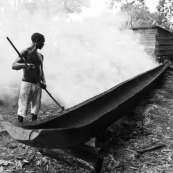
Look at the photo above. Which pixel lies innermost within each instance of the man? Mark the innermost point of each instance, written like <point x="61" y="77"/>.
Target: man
<point x="31" y="90"/>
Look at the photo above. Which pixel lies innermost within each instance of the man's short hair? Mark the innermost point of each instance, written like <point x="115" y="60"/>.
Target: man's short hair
<point x="37" y="37"/>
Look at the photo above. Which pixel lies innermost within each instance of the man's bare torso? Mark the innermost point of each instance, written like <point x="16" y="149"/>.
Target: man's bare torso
<point x="32" y="57"/>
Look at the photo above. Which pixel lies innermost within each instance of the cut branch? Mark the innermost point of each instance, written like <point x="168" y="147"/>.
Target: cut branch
<point x="152" y="148"/>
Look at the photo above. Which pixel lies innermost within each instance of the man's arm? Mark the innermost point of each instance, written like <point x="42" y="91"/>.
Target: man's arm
<point x="43" y="76"/>
<point x="18" y="64"/>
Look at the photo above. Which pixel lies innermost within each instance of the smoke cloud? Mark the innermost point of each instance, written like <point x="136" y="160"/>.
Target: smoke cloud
<point x="82" y="58"/>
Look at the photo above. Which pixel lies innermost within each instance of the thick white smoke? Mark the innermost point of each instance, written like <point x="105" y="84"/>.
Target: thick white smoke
<point x="81" y="58"/>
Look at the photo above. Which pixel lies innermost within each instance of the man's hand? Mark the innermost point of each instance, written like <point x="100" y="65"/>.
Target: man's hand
<point x="43" y="85"/>
<point x="30" y="66"/>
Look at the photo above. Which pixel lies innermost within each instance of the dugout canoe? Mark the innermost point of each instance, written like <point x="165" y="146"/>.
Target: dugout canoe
<point x="83" y="121"/>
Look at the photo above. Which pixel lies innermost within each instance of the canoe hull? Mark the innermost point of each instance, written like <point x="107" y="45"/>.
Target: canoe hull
<point x="90" y="118"/>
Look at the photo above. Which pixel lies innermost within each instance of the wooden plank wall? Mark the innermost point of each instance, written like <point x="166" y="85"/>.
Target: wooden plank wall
<point x="158" y="42"/>
<point x="148" y="39"/>
<point x="164" y="45"/>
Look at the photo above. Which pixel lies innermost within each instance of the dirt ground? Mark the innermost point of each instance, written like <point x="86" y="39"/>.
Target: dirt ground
<point x="141" y="142"/>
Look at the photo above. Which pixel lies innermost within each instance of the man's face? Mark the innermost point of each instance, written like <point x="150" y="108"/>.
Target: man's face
<point x="40" y="44"/>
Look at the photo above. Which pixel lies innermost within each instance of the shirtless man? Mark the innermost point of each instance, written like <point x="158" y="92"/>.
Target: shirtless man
<point x="31" y="91"/>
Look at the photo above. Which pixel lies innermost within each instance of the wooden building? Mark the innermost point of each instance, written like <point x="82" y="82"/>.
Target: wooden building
<point x="158" y="42"/>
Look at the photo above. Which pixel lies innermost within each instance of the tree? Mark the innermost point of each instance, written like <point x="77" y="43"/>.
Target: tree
<point x="54" y="7"/>
<point x="138" y="13"/>
<point x="165" y="8"/>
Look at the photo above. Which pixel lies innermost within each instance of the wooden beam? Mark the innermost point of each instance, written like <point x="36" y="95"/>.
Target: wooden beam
<point x="83" y="156"/>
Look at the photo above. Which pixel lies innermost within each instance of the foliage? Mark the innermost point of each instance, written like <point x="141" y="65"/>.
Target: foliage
<point x="47" y="7"/>
<point x="140" y="16"/>
<point x="165" y="8"/>
<point x="53" y="7"/>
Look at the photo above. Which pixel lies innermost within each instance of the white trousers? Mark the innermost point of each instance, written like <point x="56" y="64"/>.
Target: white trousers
<point x="29" y="94"/>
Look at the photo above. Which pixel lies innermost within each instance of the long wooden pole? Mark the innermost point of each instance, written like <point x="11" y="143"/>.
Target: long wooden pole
<point x="33" y="73"/>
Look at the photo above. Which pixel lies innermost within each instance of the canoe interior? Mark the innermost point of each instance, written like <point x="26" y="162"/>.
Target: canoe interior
<point x="95" y="108"/>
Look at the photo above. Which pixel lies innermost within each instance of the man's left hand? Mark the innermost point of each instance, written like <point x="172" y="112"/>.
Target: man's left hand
<point x="43" y="85"/>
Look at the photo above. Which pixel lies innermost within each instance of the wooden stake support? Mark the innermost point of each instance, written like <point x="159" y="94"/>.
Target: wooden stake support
<point x="84" y="156"/>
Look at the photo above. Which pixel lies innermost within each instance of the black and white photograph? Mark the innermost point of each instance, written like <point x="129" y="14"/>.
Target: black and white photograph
<point x="86" y="86"/>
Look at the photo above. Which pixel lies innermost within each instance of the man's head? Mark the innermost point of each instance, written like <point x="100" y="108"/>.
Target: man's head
<point x="38" y="39"/>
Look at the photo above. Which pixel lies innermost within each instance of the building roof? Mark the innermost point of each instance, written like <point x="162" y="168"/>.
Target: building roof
<point x="152" y="27"/>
